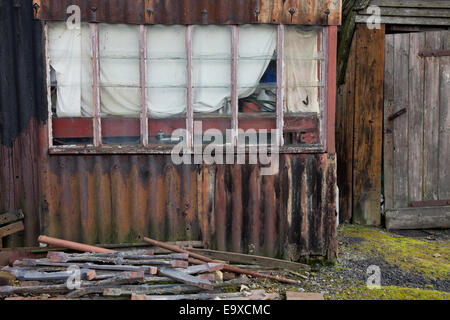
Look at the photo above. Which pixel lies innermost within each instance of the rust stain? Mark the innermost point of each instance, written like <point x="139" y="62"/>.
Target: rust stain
<point x="113" y="199"/>
<point x="299" y="12"/>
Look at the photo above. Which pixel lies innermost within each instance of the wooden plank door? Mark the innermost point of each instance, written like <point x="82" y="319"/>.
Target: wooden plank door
<point x="417" y="130"/>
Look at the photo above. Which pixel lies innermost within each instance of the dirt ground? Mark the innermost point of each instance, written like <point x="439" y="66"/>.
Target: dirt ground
<point x="412" y="265"/>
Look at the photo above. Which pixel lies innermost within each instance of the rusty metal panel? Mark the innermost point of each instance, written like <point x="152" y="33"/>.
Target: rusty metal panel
<point x="121" y="198"/>
<point x="300" y="12"/>
<point x="109" y="11"/>
<point x="22" y="111"/>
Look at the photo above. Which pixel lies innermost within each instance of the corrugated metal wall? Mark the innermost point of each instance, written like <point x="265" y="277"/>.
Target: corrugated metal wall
<point x="22" y="110"/>
<point x="311" y="12"/>
<point x="120" y="198"/>
<point x="110" y="199"/>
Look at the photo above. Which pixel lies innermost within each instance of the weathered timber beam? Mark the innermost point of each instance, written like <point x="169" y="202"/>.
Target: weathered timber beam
<point x="47" y="263"/>
<point x="11" y="229"/>
<point x="116" y="259"/>
<point x="227" y="267"/>
<point x="197" y="296"/>
<point x="98" y="287"/>
<point x="167" y="288"/>
<point x="203" y="268"/>
<point x="31" y="275"/>
<point x="250" y="259"/>
<point x="150" y="290"/>
<point x="11" y="216"/>
<point x="418" y="218"/>
<point x="185" y="278"/>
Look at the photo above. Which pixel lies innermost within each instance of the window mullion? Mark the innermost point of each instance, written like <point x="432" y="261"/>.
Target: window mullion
<point x="280" y="85"/>
<point x="234" y="83"/>
<point x="143" y="83"/>
<point x="190" y="102"/>
<point x="49" y="87"/>
<point x="95" y="48"/>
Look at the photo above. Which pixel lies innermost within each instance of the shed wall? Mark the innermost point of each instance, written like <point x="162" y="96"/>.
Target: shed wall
<point x="121" y="198"/>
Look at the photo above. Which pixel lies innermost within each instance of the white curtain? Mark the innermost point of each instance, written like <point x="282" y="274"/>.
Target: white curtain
<point x="70" y="57"/>
<point x="302" y="72"/>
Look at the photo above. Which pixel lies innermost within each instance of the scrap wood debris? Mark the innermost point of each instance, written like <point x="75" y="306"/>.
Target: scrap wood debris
<point x="162" y="272"/>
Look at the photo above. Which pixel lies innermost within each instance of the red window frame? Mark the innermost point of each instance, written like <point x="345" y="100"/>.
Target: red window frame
<point x="92" y="127"/>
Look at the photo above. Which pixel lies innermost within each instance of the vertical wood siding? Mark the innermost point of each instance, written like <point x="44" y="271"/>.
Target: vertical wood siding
<point x="417" y="143"/>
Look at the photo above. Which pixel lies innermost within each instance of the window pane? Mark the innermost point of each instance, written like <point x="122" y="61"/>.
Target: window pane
<point x="166" y="83"/>
<point x="211" y="80"/>
<point x="71" y="84"/>
<point x="303" y="63"/>
<point x="257" y="82"/>
<point x="257" y="75"/>
<point x="119" y="84"/>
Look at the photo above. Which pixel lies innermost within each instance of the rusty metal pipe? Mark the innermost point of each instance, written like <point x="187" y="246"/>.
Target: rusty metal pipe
<point x="73" y="245"/>
<point x="227" y="267"/>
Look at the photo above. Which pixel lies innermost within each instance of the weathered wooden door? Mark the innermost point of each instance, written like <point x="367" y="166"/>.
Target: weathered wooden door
<point x="417" y="130"/>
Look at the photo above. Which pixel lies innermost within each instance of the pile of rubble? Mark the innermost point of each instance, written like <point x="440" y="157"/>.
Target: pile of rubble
<point x="160" y="272"/>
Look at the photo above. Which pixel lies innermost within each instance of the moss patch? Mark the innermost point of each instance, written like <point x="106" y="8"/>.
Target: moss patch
<point x="413" y="255"/>
<point x="390" y="293"/>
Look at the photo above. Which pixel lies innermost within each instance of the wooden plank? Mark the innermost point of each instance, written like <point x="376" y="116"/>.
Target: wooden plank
<point x="11" y="229"/>
<point x="280" y="85"/>
<point x="406" y="20"/>
<point x="293" y="295"/>
<point x="42" y="289"/>
<point x="48" y="86"/>
<point x="418" y="218"/>
<point x="185" y="278"/>
<point x="430" y="203"/>
<point x="11" y="216"/>
<point x="143" y="84"/>
<point x="411" y="3"/>
<point x="47" y="263"/>
<point x="128" y="290"/>
<point x="96" y="103"/>
<point x="368" y="125"/>
<point x="409" y="12"/>
<point x="400" y="132"/>
<point x="150" y="290"/>
<point x="246" y="295"/>
<point x="257" y="295"/>
<point x="189" y="90"/>
<point x="65" y="257"/>
<point x="431" y="119"/>
<point x="203" y="268"/>
<point x="31" y="275"/>
<point x="119" y="260"/>
<point x="444" y="120"/>
<point x="415" y="117"/>
<point x="388" y="147"/>
<point x="250" y="259"/>
<point x="234" y="84"/>
<point x="331" y="65"/>
<point x="345" y="110"/>
<point x="198" y="296"/>
<point x="125" y="278"/>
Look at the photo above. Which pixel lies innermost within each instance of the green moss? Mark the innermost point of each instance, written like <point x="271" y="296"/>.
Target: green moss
<point x="412" y="255"/>
<point x="390" y="293"/>
<point x="230" y="289"/>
